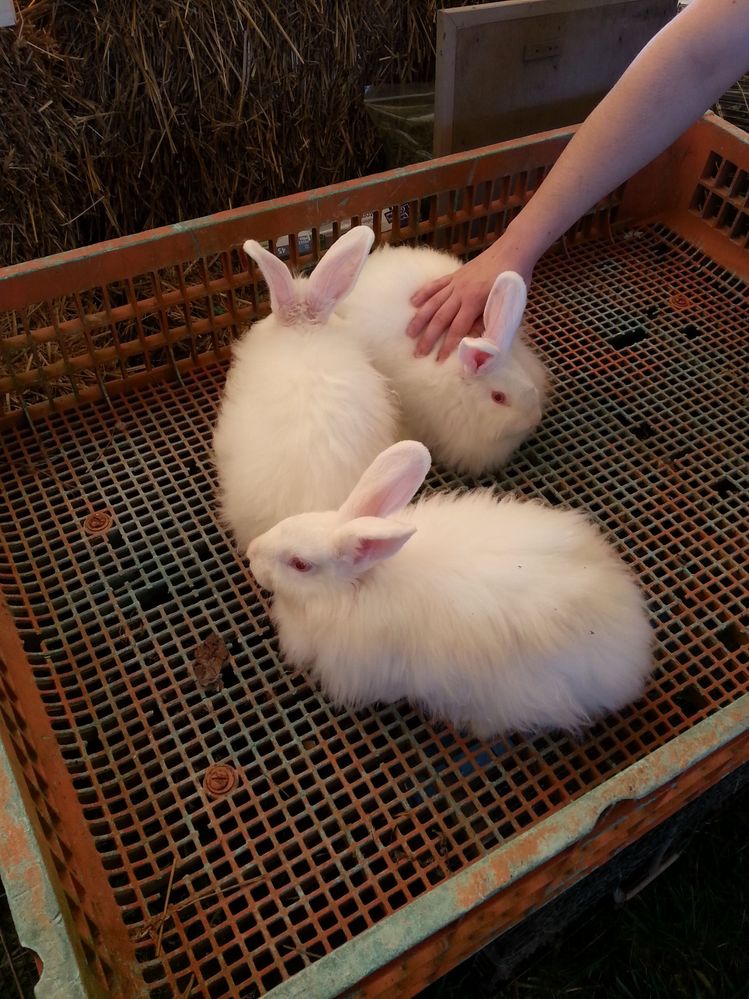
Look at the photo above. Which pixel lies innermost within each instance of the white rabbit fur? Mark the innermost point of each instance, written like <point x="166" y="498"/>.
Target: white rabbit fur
<point x="450" y="405"/>
<point x="496" y="615"/>
<point x="304" y="411"/>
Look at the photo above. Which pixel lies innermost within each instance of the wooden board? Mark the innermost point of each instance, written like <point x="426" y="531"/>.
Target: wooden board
<point x="523" y="66"/>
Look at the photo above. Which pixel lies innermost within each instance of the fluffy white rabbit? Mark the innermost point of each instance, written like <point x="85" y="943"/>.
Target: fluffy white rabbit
<point x="475" y="408"/>
<point x="494" y="614"/>
<point x="304" y="410"/>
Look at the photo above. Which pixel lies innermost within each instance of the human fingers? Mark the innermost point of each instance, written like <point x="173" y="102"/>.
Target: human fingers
<point x="426" y="312"/>
<point x="426" y="292"/>
<point x="439" y="323"/>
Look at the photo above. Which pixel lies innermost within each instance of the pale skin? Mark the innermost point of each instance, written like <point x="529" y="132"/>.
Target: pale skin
<point x="684" y="69"/>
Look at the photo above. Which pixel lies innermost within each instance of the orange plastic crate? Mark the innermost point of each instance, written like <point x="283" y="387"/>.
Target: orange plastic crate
<point x="251" y="840"/>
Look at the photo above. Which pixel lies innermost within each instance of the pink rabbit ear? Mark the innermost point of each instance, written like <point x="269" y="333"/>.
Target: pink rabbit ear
<point x="478" y="355"/>
<point x="363" y="542"/>
<point x="504" y="310"/>
<point x="390" y="482"/>
<point x="337" y="273"/>
<point x="277" y="277"/>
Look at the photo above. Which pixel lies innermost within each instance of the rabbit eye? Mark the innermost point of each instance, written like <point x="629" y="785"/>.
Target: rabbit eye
<point x="500" y="398"/>
<point x="299" y="564"/>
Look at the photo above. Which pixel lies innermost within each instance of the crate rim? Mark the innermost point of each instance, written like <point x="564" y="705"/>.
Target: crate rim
<point x="126" y="256"/>
<point x="78" y="270"/>
<point x="339" y="972"/>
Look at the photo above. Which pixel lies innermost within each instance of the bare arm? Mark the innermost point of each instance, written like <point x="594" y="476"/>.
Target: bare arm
<point x="685" y="68"/>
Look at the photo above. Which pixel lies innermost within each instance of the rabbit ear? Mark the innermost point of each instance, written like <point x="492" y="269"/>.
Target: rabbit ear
<point x="478" y="355"/>
<point x="363" y="542"/>
<point x="338" y="271"/>
<point x="504" y="310"/>
<point x="390" y="482"/>
<point x="277" y="277"/>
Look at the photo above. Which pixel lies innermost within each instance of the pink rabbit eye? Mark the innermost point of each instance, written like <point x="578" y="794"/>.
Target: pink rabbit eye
<point x="299" y="564"/>
<point x="500" y="398"/>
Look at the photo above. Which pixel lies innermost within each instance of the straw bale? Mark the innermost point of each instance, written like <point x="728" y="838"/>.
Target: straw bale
<point x="118" y="116"/>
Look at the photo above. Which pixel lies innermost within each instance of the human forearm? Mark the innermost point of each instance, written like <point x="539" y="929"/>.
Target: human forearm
<point x="676" y="77"/>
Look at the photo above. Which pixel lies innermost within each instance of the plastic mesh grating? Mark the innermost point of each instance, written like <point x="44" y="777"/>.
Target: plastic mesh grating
<point x="336" y="820"/>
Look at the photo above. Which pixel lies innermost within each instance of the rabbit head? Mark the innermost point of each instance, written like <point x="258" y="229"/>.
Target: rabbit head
<point x="316" y="553"/>
<point x="311" y="301"/>
<point x="503" y="388"/>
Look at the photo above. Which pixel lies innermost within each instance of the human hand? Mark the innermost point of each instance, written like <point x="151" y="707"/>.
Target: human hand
<point x="452" y="307"/>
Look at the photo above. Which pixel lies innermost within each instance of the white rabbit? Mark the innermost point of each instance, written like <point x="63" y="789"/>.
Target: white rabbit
<point x="475" y="408"/>
<point x="304" y="411"/>
<point x="496" y="615"/>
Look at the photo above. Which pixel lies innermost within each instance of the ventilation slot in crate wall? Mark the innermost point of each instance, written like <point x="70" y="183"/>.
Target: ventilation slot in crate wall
<point x="721" y="198"/>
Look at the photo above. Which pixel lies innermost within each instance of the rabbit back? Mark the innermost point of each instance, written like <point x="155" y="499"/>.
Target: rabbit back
<point x="303" y="414"/>
<point x="495" y="616"/>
